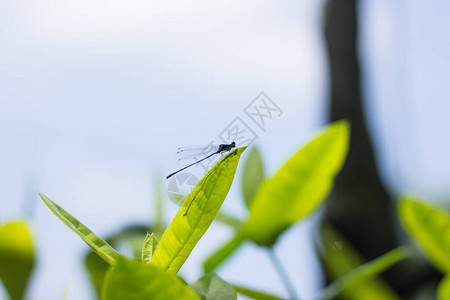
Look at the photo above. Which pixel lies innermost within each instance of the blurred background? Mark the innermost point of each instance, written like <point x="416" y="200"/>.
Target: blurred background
<point x="95" y="98"/>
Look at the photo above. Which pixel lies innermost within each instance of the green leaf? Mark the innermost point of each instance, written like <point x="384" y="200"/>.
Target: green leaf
<point x="212" y="287"/>
<point x="133" y="280"/>
<point x="16" y="258"/>
<point x="129" y="237"/>
<point x="218" y="257"/>
<point x="150" y="244"/>
<point x="229" y="220"/>
<point x="299" y="187"/>
<point x="444" y="288"/>
<point x="357" y="277"/>
<point x="255" y="294"/>
<point x="253" y="176"/>
<point x="196" y="214"/>
<point x="97" y="269"/>
<point x="66" y="292"/>
<point x="355" y="280"/>
<point x="159" y="221"/>
<point x="430" y="228"/>
<point x="102" y="248"/>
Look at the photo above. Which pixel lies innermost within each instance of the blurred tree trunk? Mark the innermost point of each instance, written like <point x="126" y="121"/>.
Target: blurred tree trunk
<point x="359" y="207"/>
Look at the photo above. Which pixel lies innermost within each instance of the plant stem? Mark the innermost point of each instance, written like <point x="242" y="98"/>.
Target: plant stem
<point x="282" y="273"/>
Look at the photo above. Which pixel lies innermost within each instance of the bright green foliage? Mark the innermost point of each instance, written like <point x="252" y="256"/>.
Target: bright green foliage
<point x="212" y="287"/>
<point x="444" y="288"/>
<point x="102" y="248"/>
<point x="223" y="253"/>
<point x="255" y="294"/>
<point x="299" y="187"/>
<point x="133" y="280"/>
<point x="430" y="228"/>
<point x="354" y="281"/>
<point x="196" y="214"/>
<point x="16" y="258"/>
<point x="150" y="244"/>
<point x="131" y="237"/>
<point x="253" y="176"/>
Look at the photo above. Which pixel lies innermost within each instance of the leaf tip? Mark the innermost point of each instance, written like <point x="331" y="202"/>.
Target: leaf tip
<point x="241" y="149"/>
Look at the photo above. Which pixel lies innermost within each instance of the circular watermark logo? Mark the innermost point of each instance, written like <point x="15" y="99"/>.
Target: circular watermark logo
<point x="180" y="186"/>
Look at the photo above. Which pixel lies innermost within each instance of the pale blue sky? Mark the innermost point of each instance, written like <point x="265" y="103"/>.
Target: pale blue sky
<point x="95" y="97"/>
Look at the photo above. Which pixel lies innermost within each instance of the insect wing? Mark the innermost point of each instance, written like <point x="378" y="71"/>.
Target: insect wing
<point x="188" y="154"/>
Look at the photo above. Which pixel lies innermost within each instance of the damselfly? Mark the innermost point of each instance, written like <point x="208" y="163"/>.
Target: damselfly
<point x="212" y="150"/>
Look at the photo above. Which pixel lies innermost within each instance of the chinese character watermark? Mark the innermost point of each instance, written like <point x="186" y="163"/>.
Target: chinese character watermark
<point x="237" y="131"/>
<point x="262" y="109"/>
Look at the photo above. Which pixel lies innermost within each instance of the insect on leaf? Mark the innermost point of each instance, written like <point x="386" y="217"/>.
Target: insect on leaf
<point x="196" y="214"/>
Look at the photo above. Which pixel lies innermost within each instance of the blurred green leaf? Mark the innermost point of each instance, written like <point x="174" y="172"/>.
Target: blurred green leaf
<point x="430" y="228"/>
<point x="299" y="187"/>
<point x="102" y="248"/>
<point x="16" y="258"/>
<point x="212" y="287"/>
<point x="253" y="176"/>
<point x="354" y="280"/>
<point x="444" y="288"/>
<point x="229" y="220"/>
<point x="97" y="269"/>
<point x="213" y="261"/>
<point x="150" y="244"/>
<point x="66" y="292"/>
<point x="196" y="214"/>
<point x="255" y="294"/>
<point x="130" y="237"/>
<point x="159" y="222"/>
<point x="133" y="280"/>
<point x="357" y="277"/>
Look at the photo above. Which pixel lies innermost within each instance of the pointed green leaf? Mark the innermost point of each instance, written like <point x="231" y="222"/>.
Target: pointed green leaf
<point x="430" y="228"/>
<point x="212" y="287"/>
<point x="133" y="280"/>
<point x="102" y="248"/>
<point x="253" y="176"/>
<point x="196" y="214"/>
<point x="444" y="288"/>
<point x="16" y="258"/>
<point x="253" y="294"/>
<point x="340" y="259"/>
<point x="222" y="254"/>
<point x="150" y="244"/>
<point x="299" y="187"/>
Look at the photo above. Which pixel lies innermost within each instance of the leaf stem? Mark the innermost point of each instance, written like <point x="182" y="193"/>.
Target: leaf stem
<point x="282" y="273"/>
